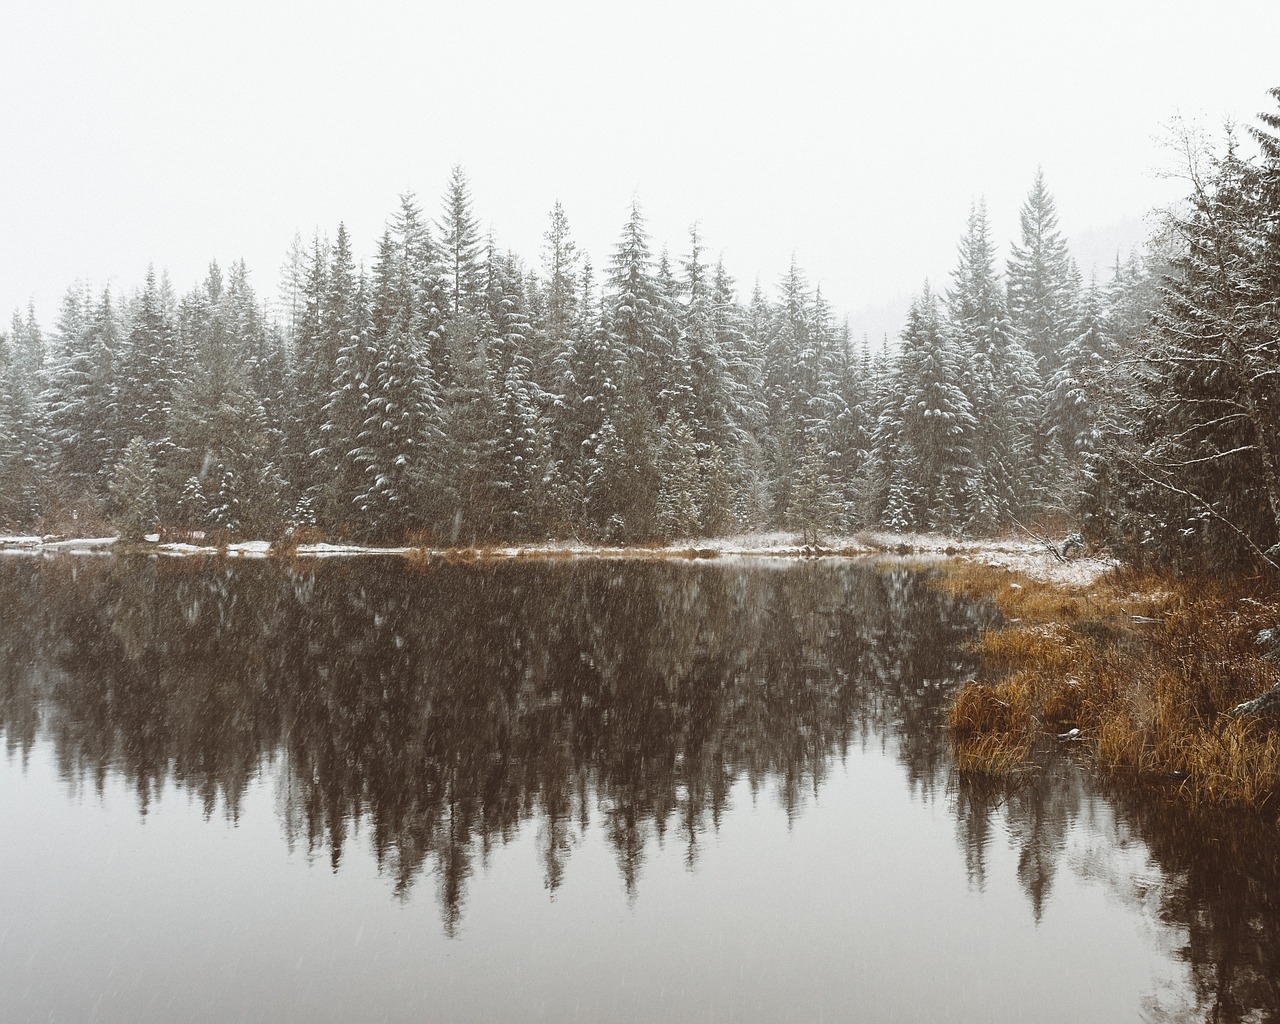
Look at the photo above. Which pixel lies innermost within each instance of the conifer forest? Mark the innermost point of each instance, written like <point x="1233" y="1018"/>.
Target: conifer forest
<point x="454" y="393"/>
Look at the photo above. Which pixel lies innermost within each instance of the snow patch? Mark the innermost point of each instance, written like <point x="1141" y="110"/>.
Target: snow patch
<point x="331" y="550"/>
<point x="185" y="549"/>
<point x="250" y="549"/>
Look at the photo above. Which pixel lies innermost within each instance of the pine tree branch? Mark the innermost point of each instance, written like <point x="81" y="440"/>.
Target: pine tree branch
<point x="1208" y="507"/>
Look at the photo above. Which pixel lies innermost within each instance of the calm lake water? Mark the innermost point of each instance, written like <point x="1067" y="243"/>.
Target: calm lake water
<point x="567" y="791"/>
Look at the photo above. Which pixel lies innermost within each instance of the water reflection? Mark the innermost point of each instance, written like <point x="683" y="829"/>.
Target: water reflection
<point x="442" y="708"/>
<point x="1210" y="878"/>
<point x="439" y="710"/>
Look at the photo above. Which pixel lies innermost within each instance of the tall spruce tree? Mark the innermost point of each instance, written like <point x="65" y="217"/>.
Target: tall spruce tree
<point x="933" y="474"/>
<point x="1042" y="281"/>
<point x="21" y="425"/>
<point x="1001" y="382"/>
<point x="460" y="246"/>
<point x="1208" y="432"/>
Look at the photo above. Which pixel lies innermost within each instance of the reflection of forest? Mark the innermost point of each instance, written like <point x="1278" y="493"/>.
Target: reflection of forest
<point x="1212" y="878"/>
<point x="443" y="706"/>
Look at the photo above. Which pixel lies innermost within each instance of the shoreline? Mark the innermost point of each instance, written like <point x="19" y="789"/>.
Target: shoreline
<point x="1142" y="674"/>
<point x="1150" y="678"/>
<point x="1028" y="557"/>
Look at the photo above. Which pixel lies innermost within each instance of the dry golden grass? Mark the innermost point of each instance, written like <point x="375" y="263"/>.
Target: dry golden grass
<point x="1148" y="669"/>
<point x="991" y="756"/>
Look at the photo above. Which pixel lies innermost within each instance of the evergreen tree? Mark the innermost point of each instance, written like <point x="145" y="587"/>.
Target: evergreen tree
<point x="313" y="373"/>
<point x="678" y="511"/>
<point x="561" y="264"/>
<point x="134" y="490"/>
<point x="1001" y="383"/>
<point x="1074" y="389"/>
<point x="346" y="414"/>
<point x="934" y="474"/>
<point x="711" y="402"/>
<point x="471" y="414"/>
<point x="418" y="289"/>
<point x="814" y="507"/>
<point x="460" y="245"/>
<point x="1042" y="282"/>
<point x="850" y="427"/>
<point x="521" y="432"/>
<point x="293" y="284"/>
<point x="147" y="366"/>
<point x="79" y="395"/>
<point x="1208" y="426"/>
<point x="21" y="434"/>
<point x="400" y="443"/>
<point x="636" y="314"/>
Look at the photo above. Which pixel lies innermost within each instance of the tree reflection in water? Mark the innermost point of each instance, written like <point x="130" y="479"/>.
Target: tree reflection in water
<point x="441" y="708"/>
<point x="1211" y="877"/>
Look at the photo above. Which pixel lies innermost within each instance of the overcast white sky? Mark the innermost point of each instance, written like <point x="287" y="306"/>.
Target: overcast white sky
<point x="854" y="135"/>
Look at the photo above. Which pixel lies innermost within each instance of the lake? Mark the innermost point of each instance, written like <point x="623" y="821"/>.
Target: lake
<point x="569" y="790"/>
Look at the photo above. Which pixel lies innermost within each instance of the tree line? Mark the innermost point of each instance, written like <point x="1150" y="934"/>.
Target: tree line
<point x="450" y="393"/>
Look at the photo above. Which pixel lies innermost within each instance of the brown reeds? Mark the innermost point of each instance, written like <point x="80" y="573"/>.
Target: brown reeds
<point x="1141" y="671"/>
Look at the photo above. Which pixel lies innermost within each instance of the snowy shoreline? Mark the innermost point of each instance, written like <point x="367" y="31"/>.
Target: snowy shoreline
<point x="1029" y="557"/>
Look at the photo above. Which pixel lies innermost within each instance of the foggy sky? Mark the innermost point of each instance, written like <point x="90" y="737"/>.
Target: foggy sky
<point x="854" y="135"/>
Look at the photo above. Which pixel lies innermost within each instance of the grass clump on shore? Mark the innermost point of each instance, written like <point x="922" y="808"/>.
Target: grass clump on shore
<point x="1141" y="670"/>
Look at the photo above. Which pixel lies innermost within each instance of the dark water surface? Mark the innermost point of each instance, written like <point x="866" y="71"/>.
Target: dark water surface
<point x="567" y="791"/>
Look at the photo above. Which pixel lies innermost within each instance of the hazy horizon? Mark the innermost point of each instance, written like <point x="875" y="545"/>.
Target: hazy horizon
<point x="853" y="139"/>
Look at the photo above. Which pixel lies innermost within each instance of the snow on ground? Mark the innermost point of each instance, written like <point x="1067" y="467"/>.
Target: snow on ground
<point x="78" y="545"/>
<point x="1018" y="554"/>
<point x="250" y="549"/>
<point x="331" y="550"/>
<point x="185" y="549"/>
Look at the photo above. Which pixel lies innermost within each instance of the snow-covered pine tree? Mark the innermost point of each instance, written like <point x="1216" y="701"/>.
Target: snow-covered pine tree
<point x="1042" y="281"/>
<point x="849" y="438"/>
<point x="815" y="507"/>
<point x="460" y="246"/>
<point x="312" y="377"/>
<point x="522" y="441"/>
<point x="636" y="314"/>
<point x="789" y="383"/>
<point x="146" y="371"/>
<point x="561" y="268"/>
<point x="470" y="422"/>
<point x="219" y="431"/>
<point x="133" y="488"/>
<point x="582" y="382"/>
<point x="1210" y="429"/>
<point x="399" y="447"/>
<point x="290" y="301"/>
<point x="717" y="499"/>
<point x="709" y="404"/>
<point x="1074" y="391"/>
<point x="678" y="510"/>
<point x="346" y="414"/>
<point x="79" y="396"/>
<point x="21" y="427"/>
<point x="933" y="478"/>
<point x="419" y="291"/>
<point x="635" y="377"/>
<point x="740" y="346"/>
<point x="676" y="391"/>
<point x="1001" y="382"/>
